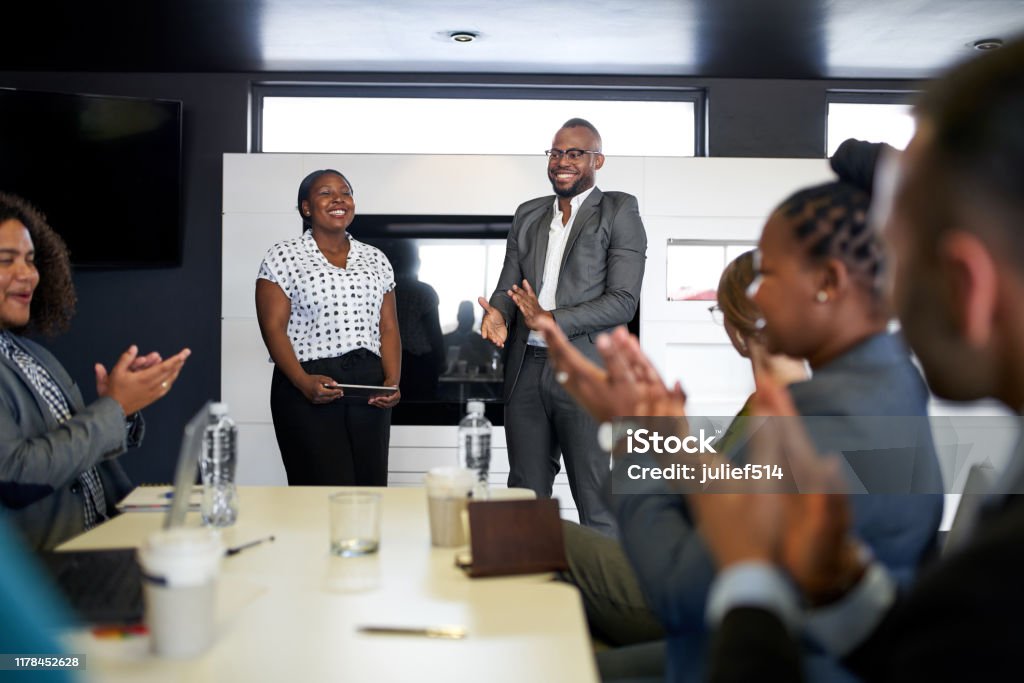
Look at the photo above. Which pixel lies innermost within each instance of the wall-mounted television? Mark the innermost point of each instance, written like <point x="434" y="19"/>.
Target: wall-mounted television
<point x="106" y="171"/>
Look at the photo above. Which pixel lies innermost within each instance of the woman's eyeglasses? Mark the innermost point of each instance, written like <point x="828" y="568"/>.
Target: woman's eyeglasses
<point x="755" y="284"/>
<point x="716" y="314"/>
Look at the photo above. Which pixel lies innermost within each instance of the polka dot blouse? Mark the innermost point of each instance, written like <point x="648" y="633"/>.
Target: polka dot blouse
<point x="334" y="310"/>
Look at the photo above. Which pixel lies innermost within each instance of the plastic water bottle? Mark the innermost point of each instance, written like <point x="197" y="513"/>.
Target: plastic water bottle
<point x="217" y="465"/>
<point x="475" y="445"/>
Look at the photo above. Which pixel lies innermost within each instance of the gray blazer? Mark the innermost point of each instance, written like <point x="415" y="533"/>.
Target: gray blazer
<point x="599" y="280"/>
<point x="40" y="460"/>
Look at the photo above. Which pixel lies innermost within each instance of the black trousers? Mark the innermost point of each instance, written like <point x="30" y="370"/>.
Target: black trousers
<point x="341" y="443"/>
<point x="543" y="421"/>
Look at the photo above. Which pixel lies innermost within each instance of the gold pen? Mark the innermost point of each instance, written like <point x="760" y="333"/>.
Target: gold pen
<point x="448" y="632"/>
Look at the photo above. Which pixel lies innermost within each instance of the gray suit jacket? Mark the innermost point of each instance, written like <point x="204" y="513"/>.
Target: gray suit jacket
<point x="40" y="460"/>
<point x="598" y="283"/>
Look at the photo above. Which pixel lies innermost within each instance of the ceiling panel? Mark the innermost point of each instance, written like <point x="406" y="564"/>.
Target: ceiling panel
<point x="703" y="38"/>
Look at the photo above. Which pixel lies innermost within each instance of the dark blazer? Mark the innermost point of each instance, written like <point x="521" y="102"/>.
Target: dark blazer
<point x="40" y="460"/>
<point x="959" y="622"/>
<point x="598" y="283"/>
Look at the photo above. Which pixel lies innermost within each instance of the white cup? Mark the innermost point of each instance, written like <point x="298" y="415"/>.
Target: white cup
<point x="179" y="576"/>
<point x="448" y="490"/>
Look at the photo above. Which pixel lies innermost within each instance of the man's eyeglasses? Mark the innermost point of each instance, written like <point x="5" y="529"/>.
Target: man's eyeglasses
<point x="572" y="153"/>
<point x="716" y="314"/>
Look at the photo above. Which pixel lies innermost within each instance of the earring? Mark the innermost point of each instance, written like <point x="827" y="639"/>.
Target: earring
<point x="307" y="213"/>
<point x="821" y="297"/>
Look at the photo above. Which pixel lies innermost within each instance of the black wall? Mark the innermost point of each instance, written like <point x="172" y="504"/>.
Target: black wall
<point x="159" y="309"/>
<point x="167" y="309"/>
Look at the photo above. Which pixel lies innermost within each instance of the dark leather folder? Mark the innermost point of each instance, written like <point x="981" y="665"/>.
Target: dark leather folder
<point x="515" y="537"/>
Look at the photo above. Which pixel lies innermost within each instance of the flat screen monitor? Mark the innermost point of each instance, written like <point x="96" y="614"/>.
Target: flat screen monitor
<point x="106" y="171"/>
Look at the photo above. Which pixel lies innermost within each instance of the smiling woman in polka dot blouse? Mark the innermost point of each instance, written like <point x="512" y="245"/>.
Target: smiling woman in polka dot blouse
<point x="326" y="307"/>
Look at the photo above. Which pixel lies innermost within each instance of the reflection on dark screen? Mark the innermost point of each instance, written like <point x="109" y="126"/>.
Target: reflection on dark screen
<point x="442" y="264"/>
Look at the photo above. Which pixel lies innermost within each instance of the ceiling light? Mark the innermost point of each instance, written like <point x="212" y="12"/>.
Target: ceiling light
<point x="463" y="36"/>
<point x="986" y="44"/>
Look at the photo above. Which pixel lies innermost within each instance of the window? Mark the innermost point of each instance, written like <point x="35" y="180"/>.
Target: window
<point x="876" y="118"/>
<point x="300" y="120"/>
<point x="694" y="267"/>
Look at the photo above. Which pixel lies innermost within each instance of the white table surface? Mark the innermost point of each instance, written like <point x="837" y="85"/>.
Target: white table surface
<point x="288" y="610"/>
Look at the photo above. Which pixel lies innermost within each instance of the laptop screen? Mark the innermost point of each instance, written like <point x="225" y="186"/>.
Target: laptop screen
<point x="188" y="462"/>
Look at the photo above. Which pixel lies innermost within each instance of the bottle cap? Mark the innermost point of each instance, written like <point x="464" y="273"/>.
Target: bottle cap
<point x="218" y="409"/>
<point x="475" y="407"/>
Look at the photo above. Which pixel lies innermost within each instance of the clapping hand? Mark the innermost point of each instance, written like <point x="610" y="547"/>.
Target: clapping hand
<point x="138" y="363"/>
<point x="137" y="381"/>
<point x="529" y="305"/>
<point x="805" y="533"/>
<point x="629" y="386"/>
<point x="493" y="327"/>
<point x="816" y="548"/>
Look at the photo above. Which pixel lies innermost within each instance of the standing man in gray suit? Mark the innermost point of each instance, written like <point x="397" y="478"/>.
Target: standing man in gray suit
<point x="578" y="258"/>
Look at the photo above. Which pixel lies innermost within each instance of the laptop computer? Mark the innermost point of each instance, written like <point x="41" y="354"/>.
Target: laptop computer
<point x="105" y="586"/>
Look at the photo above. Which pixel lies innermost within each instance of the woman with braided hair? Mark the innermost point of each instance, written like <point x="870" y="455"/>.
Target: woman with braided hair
<point x="819" y="286"/>
<point x="819" y="266"/>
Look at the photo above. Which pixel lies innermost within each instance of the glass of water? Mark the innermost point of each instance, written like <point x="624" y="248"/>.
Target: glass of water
<point x="355" y="523"/>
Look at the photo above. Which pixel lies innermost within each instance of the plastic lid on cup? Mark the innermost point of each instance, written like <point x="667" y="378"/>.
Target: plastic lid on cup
<point x="450" y="481"/>
<point x="181" y="556"/>
<point x="475" y="407"/>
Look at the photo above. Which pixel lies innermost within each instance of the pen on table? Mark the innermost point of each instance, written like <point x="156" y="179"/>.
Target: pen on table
<point x="449" y="632"/>
<point x="170" y="494"/>
<point x="239" y="548"/>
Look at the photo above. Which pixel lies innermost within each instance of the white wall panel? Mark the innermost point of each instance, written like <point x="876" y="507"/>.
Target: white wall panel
<point x="245" y="370"/>
<point x="261" y="183"/>
<point x="435" y="184"/>
<point x="436" y="437"/>
<point x="725" y="187"/>
<point x="259" y="460"/>
<point x="246" y="238"/>
<point x="624" y="174"/>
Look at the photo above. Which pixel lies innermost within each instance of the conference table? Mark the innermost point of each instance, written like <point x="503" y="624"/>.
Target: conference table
<point x="288" y="610"/>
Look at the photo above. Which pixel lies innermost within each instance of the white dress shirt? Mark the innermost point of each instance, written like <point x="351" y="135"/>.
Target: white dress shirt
<point x="558" y="235"/>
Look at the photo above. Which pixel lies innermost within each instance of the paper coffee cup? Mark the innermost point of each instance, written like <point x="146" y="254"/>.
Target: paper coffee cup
<point x="448" y="490"/>
<point x="179" y="577"/>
